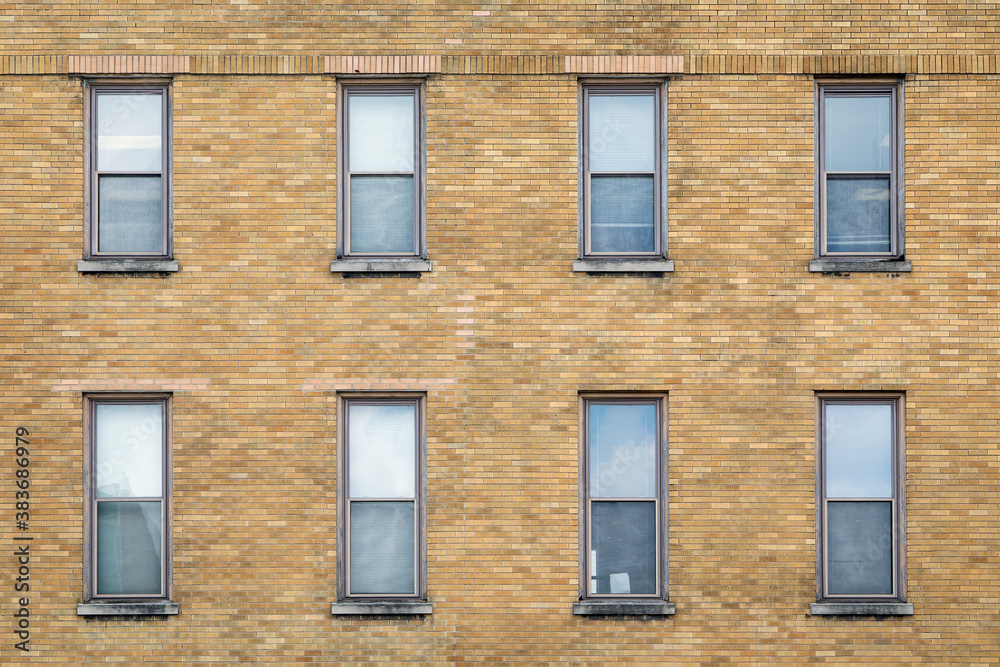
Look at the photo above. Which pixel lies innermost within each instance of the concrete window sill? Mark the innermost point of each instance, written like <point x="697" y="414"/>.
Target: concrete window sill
<point x="623" y="608"/>
<point x="623" y="266"/>
<point x="861" y="609"/>
<point x="832" y="265"/>
<point x="382" y="608"/>
<point x="127" y="266"/>
<point x="380" y="266"/>
<point x="132" y="608"/>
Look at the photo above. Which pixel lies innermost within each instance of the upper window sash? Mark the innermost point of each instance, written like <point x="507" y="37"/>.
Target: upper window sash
<point x="129" y="171"/>
<point x="621" y="147"/>
<point x="128" y="512"/>
<point x="858" y="166"/>
<point x="861" y="499"/>
<point x="382" y="167"/>
<point x="382" y="507"/>
<point x="623" y="485"/>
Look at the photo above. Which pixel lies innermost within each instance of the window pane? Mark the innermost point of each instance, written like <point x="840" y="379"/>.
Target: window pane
<point x="129" y="548"/>
<point x="858" y="133"/>
<point x="129" y="450"/>
<point x="622" y="450"/>
<point x="129" y="132"/>
<point x="858" y="450"/>
<point x="623" y="548"/>
<point x="622" y="131"/>
<point x="380" y="133"/>
<point x="622" y="213"/>
<point x="859" y="546"/>
<point x="382" y="215"/>
<point x="382" y="549"/>
<point x="857" y="215"/>
<point x="130" y="214"/>
<point x="382" y="456"/>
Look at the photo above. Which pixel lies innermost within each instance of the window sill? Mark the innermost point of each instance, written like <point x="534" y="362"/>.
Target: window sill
<point x="127" y="266"/>
<point x="861" y="609"/>
<point x="131" y="608"/>
<point x="623" y="608"/>
<point x="382" y="608"/>
<point x="380" y="266"/>
<point x="623" y="266"/>
<point x="832" y="265"/>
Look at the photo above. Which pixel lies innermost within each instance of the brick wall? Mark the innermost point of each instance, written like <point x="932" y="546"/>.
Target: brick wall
<point x="254" y="335"/>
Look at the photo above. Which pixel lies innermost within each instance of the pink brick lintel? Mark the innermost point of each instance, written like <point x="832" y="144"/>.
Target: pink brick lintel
<point x="129" y="64"/>
<point x="152" y="384"/>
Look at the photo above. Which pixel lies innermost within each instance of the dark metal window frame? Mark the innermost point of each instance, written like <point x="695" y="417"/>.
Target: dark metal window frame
<point x="897" y="401"/>
<point x="656" y="88"/>
<point x="94" y="88"/>
<point x="346" y="89"/>
<point x="659" y="400"/>
<point x="345" y="401"/>
<point x="865" y="88"/>
<point x="90" y="403"/>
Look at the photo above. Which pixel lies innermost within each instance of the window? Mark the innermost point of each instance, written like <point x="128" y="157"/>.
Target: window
<point x="128" y="513"/>
<point x="622" y="174"/>
<point x="624" y="518"/>
<point x="129" y="193"/>
<point x="859" y="165"/>
<point x="860" y="516"/>
<point x="381" y="189"/>
<point x="381" y="512"/>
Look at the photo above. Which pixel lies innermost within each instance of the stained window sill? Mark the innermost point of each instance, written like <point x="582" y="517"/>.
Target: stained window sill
<point x="380" y="266"/>
<point x="861" y="609"/>
<point x="831" y="265"/>
<point x="127" y="266"/>
<point x="382" y="608"/>
<point x="623" y="608"/>
<point x="623" y="266"/>
<point x="131" y="608"/>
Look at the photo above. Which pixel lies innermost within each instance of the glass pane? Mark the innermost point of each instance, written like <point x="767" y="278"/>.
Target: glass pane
<point x="857" y="215"/>
<point x="858" y="450"/>
<point x="129" y="217"/>
<point x="859" y="547"/>
<point x="129" y="450"/>
<point x="383" y="445"/>
<point x="129" y="548"/>
<point x="858" y="133"/>
<point x="623" y="548"/>
<point x="380" y="133"/>
<point x="382" y="215"/>
<point x="622" y="450"/>
<point x="622" y="132"/>
<point x="382" y="549"/>
<point x="129" y="132"/>
<point x="622" y="214"/>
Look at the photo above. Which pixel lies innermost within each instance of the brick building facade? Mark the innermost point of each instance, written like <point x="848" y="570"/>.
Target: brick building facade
<point x="777" y="385"/>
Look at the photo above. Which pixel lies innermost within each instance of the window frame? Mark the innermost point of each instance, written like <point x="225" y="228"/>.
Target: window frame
<point x="344" y="595"/>
<point x="658" y="90"/>
<point x="91" y="402"/>
<point x="351" y="87"/>
<point x="868" y="88"/>
<point x="615" y="602"/>
<point x="898" y="498"/>
<point x="94" y="88"/>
